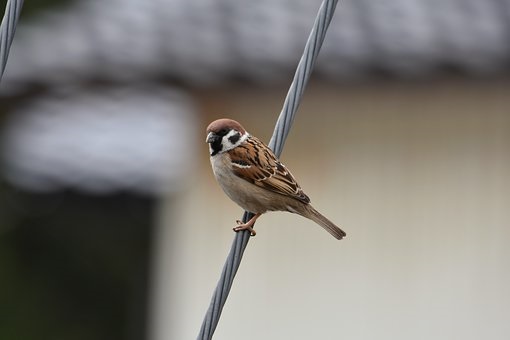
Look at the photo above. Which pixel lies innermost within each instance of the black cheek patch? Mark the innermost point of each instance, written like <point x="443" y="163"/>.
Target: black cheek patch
<point x="234" y="138"/>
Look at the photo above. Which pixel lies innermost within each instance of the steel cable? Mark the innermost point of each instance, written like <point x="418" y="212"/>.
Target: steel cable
<point x="282" y="129"/>
<point x="7" y="29"/>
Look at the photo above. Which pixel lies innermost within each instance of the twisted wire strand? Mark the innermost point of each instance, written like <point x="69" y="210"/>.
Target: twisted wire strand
<point x="7" y="29"/>
<point x="303" y="72"/>
<point x="282" y="129"/>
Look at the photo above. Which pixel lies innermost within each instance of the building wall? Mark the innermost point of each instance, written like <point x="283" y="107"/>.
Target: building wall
<point x="418" y="177"/>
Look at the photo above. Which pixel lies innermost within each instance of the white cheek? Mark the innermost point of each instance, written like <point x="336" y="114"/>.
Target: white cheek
<point x="227" y="145"/>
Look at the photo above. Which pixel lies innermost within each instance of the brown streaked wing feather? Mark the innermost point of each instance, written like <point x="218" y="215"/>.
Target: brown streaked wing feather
<point x="254" y="162"/>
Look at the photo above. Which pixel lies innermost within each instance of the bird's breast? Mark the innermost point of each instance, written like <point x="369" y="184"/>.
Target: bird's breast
<point x="242" y="192"/>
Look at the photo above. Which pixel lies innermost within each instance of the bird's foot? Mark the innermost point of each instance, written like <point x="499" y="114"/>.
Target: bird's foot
<point x="245" y="226"/>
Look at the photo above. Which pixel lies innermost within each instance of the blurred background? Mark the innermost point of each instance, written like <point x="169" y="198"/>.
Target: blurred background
<point x="113" y="227"/>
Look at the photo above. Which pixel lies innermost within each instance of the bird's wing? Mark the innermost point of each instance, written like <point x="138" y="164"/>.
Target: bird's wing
<point x="254" y="162"/>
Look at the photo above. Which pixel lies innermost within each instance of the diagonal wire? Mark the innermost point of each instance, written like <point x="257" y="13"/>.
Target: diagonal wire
<point x="7" y="29"/>
<point x="282" y="129"/>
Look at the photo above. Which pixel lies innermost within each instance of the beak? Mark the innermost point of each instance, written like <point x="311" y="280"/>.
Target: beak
<point x="211" y="137"/>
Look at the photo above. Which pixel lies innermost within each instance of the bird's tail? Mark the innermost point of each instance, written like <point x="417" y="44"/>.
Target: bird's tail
<point x="318" y="218"/>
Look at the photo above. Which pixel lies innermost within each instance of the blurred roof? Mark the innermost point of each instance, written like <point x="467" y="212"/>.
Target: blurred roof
<point x="208" y="41"/>
<point x="103" y="141"/>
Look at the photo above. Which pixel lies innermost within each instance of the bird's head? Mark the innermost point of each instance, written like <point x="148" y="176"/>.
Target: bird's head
<point x="224" y="134"/>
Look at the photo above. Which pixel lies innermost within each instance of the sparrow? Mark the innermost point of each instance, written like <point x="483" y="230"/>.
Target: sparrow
<point x="252" y="176"/>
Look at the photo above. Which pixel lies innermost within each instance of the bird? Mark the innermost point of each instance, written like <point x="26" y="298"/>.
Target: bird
<point x="252" y="176"/>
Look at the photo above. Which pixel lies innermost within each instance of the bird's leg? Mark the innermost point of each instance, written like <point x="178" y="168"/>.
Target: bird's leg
<point x="248" y="225"/>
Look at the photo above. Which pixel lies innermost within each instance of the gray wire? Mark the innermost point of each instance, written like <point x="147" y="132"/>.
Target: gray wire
<point x="303" y="72"/>
<point x="280" y="133"/>
<point x="7" y="29"/>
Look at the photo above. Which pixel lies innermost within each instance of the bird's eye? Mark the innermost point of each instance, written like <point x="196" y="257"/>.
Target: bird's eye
<point x="222" y="132"/>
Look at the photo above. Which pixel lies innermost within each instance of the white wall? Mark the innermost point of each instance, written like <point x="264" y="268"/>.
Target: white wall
<point x="419" y="178"/>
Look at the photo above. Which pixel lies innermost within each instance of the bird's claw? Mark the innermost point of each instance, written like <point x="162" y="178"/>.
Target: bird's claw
<point x="243" y="226"/>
